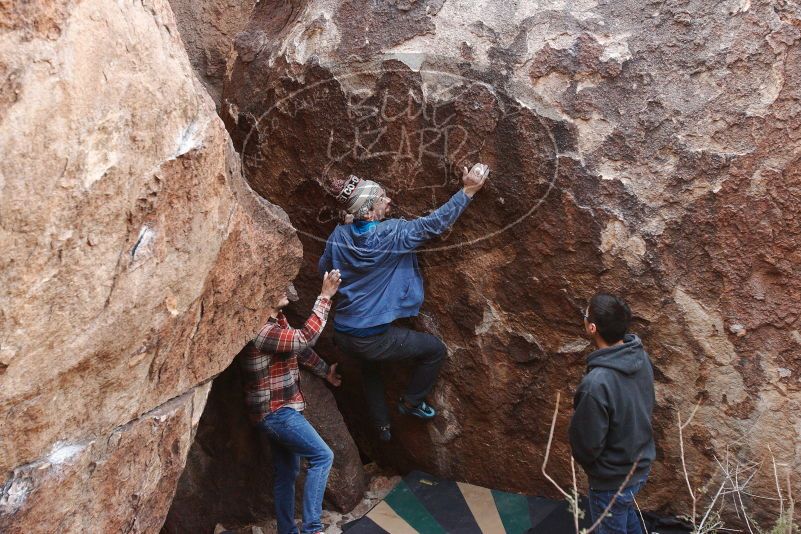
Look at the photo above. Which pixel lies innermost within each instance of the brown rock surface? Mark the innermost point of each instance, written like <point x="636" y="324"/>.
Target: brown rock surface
<point x="228" y="477"/>
<point x="208" y="29"/>
<point x="122" y="482"/>
<point x="136" y="263"/>
<point x="648" y="149"/>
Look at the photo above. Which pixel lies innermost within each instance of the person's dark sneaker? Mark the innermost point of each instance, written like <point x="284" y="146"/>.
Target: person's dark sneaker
<point x="422" y="410"/>
<point x="384" y="433"/>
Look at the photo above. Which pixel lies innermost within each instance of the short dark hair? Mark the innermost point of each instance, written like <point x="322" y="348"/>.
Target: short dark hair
<point x="611" y="316"/>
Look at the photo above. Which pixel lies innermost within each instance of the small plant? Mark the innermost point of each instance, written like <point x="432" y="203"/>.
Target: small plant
<point x="735" y="479"/>
<point x="785" y="523"/>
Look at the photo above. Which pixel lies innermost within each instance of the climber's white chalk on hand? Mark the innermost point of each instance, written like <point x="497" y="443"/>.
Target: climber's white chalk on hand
<point x="474" y="179"/>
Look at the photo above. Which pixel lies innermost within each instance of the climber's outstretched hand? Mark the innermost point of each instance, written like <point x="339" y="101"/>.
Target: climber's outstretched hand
<point x="474" y="179"/>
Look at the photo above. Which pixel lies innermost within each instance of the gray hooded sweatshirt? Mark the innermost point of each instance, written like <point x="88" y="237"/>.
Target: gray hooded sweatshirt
<point x="611" y="425"/>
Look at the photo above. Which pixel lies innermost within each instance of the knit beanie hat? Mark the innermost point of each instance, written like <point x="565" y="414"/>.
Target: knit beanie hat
<point x="358" y="195"/>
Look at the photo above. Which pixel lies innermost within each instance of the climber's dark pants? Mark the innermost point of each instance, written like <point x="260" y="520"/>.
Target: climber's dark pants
<point x="393" y="345"/>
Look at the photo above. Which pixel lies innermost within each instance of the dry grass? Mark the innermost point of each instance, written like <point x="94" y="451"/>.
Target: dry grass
<point x="735" y="479"/>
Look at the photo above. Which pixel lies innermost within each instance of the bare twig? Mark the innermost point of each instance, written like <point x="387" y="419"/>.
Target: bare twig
<point x="734" y="502"/>
<point x="790" y="505"/>
<point x="755" y="496"/>
<point x="717" y="495"/>
<point x="739" y="496"/>
<point x="776" y="478"/>
<point x="755" y="467"/>
<point x="736" y="477"/>
<point x="575" y="495"/>
<point x="548" y="448"/>
<point x="682" y="426"/>
<point x="639" y="512"/>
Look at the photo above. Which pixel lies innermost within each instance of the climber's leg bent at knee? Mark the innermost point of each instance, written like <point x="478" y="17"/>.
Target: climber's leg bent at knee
<point x="397" y="344"/>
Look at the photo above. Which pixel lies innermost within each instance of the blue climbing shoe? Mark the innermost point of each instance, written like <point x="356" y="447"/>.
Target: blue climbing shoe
<point x="422" y="410"/>
<point x="384" y="433"/>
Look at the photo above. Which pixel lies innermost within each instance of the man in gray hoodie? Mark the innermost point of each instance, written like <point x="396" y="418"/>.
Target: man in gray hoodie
<point x="610" y="433"/>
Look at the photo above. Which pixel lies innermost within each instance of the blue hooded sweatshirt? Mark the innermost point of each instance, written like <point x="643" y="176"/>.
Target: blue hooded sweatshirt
<point x="381" y="280"/>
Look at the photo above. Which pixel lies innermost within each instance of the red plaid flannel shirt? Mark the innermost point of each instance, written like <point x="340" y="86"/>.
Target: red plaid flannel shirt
<point x="270" y="362"/>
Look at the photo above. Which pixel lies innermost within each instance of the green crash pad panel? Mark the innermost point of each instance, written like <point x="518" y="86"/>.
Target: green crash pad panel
<point x="423" y="504"/>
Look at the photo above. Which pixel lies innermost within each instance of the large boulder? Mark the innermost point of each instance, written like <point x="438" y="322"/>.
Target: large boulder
<point x="121" y="483"/>
<point x="649" y="149"/>
<point x="136" y="263"/>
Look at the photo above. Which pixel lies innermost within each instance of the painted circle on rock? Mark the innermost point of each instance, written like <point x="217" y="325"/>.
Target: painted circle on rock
<point x="417" y="132"/>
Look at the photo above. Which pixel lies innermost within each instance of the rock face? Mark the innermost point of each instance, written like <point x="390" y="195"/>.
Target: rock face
<point x="647" y="149"/>
<point x="228" y="477"/>
<point x="136" y="263"/>
<point x="208" y="30"/>
<point x="123" y="483"/>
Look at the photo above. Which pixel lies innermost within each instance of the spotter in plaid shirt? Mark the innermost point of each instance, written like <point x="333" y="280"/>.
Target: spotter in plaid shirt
<point x="270" y="362"/>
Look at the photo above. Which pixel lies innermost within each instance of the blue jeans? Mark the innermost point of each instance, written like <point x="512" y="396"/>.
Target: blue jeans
<point x="622" y="517"/>
<point x="292" y="438"/>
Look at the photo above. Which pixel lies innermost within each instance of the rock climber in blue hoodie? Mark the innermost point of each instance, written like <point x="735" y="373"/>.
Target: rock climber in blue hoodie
<point x="611" y="434"/>
<point x="381" y="282"/>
